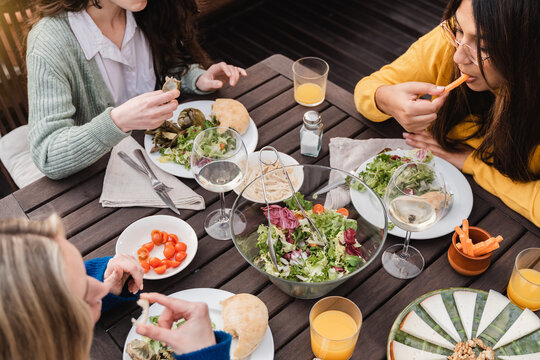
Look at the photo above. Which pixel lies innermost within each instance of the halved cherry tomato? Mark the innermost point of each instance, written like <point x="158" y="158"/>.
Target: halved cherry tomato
<point x="155" y="262"/>
<point x="145" y="265"/>
<point x="169" y="251"/>
<point x="180" y="256"/>
<point x="180" y="246"/>
<point x="164" y="237"/>
<point x="161" y="269"/>
<point x="318" y="209"/>
<point x="156" y="237"/>
<point x="343" y="212"/>
<point x="221" y="146"/>
<point x="149" y="246"/>
<point x="143" y="253"/>
<point x="172" y="263"/>
<point x="173" y="237"/>
<point x="170" y="243"/>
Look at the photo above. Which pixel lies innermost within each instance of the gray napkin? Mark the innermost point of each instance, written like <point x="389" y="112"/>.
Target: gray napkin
<point x="348" y="154"/>
<point x="124" y="186"/>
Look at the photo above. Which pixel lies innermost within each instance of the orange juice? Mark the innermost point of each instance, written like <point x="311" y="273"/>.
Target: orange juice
<point x="333" y="335"/>
<point x="522" y="289"/>
<point x="308" y="94"/>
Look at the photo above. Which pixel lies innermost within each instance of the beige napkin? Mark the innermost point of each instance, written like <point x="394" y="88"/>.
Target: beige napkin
<point x="124" y="186"/>
<point x="348" y="154"/>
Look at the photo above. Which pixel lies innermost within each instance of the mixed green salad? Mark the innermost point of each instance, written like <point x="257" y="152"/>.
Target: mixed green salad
<point x="301" y="254"/>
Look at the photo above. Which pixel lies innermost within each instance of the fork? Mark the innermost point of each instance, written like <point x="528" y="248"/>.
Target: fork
<point x="155" y="182"/>
<point x="136" y="166"/>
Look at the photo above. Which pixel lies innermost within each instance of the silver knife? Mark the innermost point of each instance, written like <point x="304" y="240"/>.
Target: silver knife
<point x="157" y="185"/>
<point x="328" y="187"/>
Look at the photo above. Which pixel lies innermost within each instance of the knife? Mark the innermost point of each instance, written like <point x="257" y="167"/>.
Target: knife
<point x="157" y="185"/>
<point x="328" y="187"/>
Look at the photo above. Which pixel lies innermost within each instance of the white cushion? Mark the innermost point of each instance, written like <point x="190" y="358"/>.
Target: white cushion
<point x="15" y="155"/>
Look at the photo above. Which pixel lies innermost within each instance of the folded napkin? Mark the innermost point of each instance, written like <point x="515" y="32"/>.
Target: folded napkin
<point x="124" y="186"/>
<point x="348" y="154"/>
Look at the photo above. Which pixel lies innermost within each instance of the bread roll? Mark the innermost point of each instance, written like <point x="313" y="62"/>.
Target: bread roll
<point x="232" y="114"/>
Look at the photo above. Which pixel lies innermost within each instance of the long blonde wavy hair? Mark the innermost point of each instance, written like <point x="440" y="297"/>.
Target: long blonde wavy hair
<point x="40" y="317"/>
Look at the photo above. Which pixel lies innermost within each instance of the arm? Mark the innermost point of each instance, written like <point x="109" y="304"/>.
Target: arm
<point x="60" y="147"/>
<point x="219" y="351"/>
<point x="189" y="80"/>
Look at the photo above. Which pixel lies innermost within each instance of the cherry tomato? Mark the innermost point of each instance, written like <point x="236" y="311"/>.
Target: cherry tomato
<point x="161" y="269"/>
<point x="343" y="212"/>
<point x="172" y="263"/>
<point x="164" y="237"/>
<point x="156" y="237"/>
<point x="149" y="246"/>
<point x="143" y="253"/>
<point x="180" y="246"/>
<point x="318" y="209"/>
<point x="173" y="237"/>
<point x="155" y="262"/>
<point x="169" y="251"/>
<point x="170" y="243"/>
<point x="145" y="265"/>
<point x="180" y="256"/>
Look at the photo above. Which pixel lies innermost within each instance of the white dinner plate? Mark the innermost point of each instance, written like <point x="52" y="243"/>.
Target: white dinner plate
<point x="212" y="297"/>
<point x="250" y="138"/>
<point x="297" y="176"/>
<point x="455" y="183"/>
<point x="139" y="233"/>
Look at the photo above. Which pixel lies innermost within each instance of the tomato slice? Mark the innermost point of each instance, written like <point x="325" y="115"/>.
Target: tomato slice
<point x="180" y="246"/>
<point x="145" y="265"/>
<point x="156" y="237"/>
<point x="149" y="245"/>
<point x="143" y="253"/>
<point x="180" y="256"/>
<point x="173" y="237"/>
<point x="164" y="237"/>
<point x="343" y="212"/>
<point x="172" y="263"/>
<point x="169" y="251"/>
<point x="155" y="262"/>
<point x="318" y="209"/>
<point x="161" y="269"/>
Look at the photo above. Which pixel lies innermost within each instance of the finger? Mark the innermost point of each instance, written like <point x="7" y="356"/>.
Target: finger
<point x="155" y="332"/>
<point x="242" y="71"/>
<point x="235" y="76"/>
<point x="422" y="107"/>
<point x="421" y="88"/>
<point x="215" y="84"/>
<point x="178" y="306"/>
<point x="225" y="68"/>
<point x="163" y="97"/>
<point x="136" y="271"/>
<point x="438" y="102"/>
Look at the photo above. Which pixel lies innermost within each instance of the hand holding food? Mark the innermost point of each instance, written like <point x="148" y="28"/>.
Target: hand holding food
<point x="403" y="103"/>
<point x="195" y="333"/>
<point x="146" y="111"/>
<point x="217" y="75"/>
<point x="119" y="269"/>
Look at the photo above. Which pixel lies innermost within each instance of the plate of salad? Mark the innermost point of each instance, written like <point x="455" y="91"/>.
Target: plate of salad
<point x="377" y="171"/>
<point x="212" y="297"/>
<point x="172" y="153"/>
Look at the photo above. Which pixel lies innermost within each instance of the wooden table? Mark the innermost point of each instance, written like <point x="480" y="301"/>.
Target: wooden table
<point x="268" y="95"/>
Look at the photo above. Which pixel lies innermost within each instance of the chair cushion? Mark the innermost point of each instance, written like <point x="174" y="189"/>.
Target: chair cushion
<point x="15" y="155"/>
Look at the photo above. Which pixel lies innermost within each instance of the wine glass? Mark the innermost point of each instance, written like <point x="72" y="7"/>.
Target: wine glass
<point x="416" y="200"/>
<point x="219" y="164"/>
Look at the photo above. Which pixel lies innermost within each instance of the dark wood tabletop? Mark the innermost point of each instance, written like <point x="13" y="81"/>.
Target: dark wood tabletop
<point x="267" y="93"/>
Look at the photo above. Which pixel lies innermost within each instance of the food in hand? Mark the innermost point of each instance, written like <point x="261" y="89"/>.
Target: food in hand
<point x="245" y="316"/>
<point x="460" y="80"/>
<point x="231" y="114"/>
<point x="173" y="250"/>
<point x="145" y="305"/>
<point x="466" y="245"/>
<point x="171" y="84"/>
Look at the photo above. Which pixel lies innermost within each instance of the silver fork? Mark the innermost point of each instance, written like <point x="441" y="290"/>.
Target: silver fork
<point x="136" y="166"/>
<point x="156" y="183"/>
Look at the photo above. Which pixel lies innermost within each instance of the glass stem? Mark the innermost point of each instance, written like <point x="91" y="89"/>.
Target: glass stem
<point x="222" y="216"/>
<point x="406" y="244"/>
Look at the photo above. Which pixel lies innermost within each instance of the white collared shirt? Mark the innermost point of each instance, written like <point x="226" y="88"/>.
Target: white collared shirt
<point x="129" y="71"/>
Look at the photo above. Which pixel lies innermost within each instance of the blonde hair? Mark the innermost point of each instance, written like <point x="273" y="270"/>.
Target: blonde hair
<point x="40" y="317"/>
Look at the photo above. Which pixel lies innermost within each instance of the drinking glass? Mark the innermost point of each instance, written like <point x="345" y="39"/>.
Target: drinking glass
<point x="334" y="324"/>
<point x="416" y="200"/>
<point x="524" y="285"/>
<point x="219" y="164"/>
<point x="310" y="75"/>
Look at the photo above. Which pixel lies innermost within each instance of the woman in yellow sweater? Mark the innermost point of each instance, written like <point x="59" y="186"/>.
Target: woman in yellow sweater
<point x="488" y="127"/>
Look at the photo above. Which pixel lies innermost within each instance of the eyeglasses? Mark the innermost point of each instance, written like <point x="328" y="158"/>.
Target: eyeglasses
<point x="472" y="53"/>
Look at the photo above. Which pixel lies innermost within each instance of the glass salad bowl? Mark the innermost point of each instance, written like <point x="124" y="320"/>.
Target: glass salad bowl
<point x="316" y="256"/>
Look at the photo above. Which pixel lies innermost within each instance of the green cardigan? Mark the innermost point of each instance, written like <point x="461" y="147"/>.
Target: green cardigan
<point x="69" y="103"/>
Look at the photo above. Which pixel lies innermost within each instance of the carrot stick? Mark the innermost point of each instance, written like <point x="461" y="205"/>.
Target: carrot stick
<point x="487" y="249"/>
<point x="499" y="238"/>
<point x="470" y="249"/>
<point x="456" y="83"/>
<point x="466" y="227"/>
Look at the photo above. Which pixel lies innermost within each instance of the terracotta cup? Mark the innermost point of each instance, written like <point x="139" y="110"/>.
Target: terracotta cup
<point x="465" y="264"/>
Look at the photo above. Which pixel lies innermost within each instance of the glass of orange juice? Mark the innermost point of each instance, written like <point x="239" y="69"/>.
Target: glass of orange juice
<point x="310" y="75"/>
<point x="334" y="324"/>
<point x="524" y="285"/>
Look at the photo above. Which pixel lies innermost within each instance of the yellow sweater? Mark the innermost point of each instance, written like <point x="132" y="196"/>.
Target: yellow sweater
<point x="430" y="59"/>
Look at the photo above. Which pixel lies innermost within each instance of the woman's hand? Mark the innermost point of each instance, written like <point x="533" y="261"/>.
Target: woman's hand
<point x="119" y="269"/>
<point x="146" y="111"/>
<point x="424" y="140"/>
<point x="195" y="334"/>
<point x="402" y="102"/>
<point x="217" y="75"/>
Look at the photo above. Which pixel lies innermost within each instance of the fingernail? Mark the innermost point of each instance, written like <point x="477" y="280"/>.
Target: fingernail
<point x="405" y="135"/>
<point x="440" y="88"/>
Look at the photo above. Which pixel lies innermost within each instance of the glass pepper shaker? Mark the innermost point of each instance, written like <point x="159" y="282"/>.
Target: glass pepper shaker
<point x="311" y="134"/>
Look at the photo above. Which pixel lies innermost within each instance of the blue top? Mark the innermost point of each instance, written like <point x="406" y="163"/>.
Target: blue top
<point x="220" y="351"/>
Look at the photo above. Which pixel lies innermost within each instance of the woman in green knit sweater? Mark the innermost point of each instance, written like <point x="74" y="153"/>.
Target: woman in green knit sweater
<point x="93" y="67"/>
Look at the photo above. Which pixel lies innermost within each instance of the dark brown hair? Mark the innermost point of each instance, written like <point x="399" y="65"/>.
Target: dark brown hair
<point x="169" y="26"/>
<point x="508" y="122"/>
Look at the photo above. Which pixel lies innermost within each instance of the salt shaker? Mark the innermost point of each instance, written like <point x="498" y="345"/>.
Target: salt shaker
<point x="311" y="134"/>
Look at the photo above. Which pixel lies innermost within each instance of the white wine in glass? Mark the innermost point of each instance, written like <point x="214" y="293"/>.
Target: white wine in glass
<point x="219" y="164"/>
<point x="416" y="200"/>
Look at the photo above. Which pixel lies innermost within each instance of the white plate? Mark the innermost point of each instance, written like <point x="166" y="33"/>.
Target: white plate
<point x="212" y="297"/>
<point x="297" y="177"/>
<point x="455" y="183"/>
<point x="138" y="233"/>
<point x="250" y="138"/>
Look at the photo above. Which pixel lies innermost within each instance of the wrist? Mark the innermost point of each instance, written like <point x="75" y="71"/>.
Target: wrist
<point x="380" y="99"/>
<point x="117" y="119"/>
